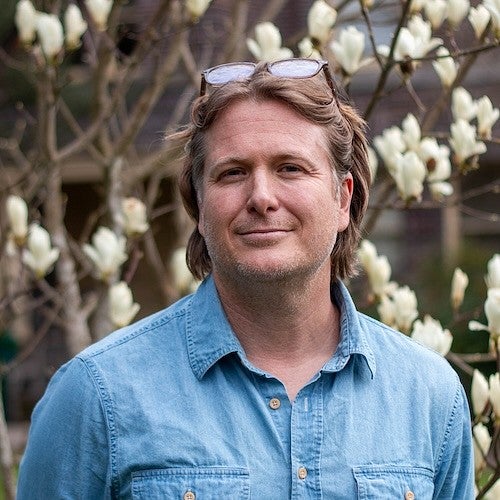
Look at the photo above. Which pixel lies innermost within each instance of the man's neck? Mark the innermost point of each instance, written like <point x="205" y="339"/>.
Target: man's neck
<point x="288" y="330"/>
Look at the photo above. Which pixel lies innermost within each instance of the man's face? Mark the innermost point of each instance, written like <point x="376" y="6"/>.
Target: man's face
<point x="270" y="204"/>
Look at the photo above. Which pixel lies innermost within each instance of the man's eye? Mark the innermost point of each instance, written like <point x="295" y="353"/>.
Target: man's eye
<point x="232" y="173"/>
<point x="290" y="168"/>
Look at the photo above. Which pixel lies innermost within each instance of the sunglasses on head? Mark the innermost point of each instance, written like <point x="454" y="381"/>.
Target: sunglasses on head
<point x="286" y="68"/>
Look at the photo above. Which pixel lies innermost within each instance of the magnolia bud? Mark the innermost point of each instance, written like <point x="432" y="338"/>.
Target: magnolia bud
<point x="107" y="252"/>
<point x="17" y="213"/>
<point x="459" y="283"/>
<point x="25" y="20"/>
<point x="134" y="212"/>
<point x="122" y="307"/>
<point x="197" y="7"/>
<point x="320" y="20"/>
<point x="479" y="392"/>
<point x="39" y="255"/>
<point x="50" y="33"/>
<point x="99" y="11"/>
<point x="75" y="26"/>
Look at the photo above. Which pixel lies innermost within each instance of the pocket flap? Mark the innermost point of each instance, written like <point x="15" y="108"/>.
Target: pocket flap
<point x="186" y="483"/>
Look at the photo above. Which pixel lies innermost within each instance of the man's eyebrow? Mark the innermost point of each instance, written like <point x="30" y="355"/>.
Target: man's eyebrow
<point x="241" y="160"/>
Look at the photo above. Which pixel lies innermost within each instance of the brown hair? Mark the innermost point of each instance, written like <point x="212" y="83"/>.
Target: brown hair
<point x="311" y="98"/>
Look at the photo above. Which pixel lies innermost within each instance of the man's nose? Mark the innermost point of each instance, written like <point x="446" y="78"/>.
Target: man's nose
<point x="262" y="195"/>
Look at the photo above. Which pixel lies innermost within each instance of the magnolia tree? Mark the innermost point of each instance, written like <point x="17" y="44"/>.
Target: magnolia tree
<point x="415" y="163"/>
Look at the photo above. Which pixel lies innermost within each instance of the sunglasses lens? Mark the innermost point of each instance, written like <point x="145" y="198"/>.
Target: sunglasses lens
<point x="229" y="73"/>
<point x="295" y="68"/>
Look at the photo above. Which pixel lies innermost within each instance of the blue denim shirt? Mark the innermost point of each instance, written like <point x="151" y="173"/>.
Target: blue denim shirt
<point x="171" y="408"/>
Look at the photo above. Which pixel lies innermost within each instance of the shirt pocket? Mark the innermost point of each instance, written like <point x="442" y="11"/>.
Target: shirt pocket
<point x="384" y="482"/>
<point x="186" y="483"/>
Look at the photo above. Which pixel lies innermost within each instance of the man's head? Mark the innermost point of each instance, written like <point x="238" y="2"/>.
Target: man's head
<point x="313" y="100"/>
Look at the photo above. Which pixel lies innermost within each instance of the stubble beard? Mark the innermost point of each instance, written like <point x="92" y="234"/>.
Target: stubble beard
<point x="290" y="270"/>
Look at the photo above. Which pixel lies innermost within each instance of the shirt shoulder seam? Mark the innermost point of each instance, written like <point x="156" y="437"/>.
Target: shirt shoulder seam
<point x="108" y="414"/>
<point x="450" y="424"/>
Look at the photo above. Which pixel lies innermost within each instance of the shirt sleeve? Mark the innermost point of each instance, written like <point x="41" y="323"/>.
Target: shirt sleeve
<point x="455" y="476"/>
<point x="67" y="454"/>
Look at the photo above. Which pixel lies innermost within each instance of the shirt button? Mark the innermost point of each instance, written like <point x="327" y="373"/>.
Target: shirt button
<point x="189" y="495"/>
<point x="274" y="404"/>
<point x="409" y="495"/>
<point x="302" y="472"/>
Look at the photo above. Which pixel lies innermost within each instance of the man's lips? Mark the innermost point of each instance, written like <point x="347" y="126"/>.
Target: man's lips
<point x="267" y="230"/>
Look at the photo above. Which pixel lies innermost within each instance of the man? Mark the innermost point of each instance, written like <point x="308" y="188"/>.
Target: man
<point x="266" y="383"/>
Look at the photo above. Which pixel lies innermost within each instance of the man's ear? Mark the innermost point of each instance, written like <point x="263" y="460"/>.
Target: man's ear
<point x="346" y="189"/>
<point x="201" y="219"/>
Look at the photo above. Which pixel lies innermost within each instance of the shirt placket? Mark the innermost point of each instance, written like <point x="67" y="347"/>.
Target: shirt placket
<point x="306" y="432"/>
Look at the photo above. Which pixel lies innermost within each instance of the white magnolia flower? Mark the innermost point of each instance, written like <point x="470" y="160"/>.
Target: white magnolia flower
<point x="482" y="443"/>
<point x="479" y="392"/>
<point x="372" y="163"/>
<point x="411" y="132"/>
<point x="320" y="20"/>
<point x="122" y="307"/>
<point x="405" y="302"/>
<point x="463" y="141"/>
<point x="267" y="43"/>
<point x="184" y="281"/>
<point x="457" y="11"/>
<point x="399" y="309"/>
<point x="492" y="311"/>
<point x="494" y="394"/>
<point x="422" y="31"/>
<point x="405" y="47"/>
<point x="74" y="25"/>
<point x="99" y="11"/>
<point x="492" y="279"/>
<point x="436" y="158"/>
<point x="479" y="17"/>
<point x="50" y="34"/>
<point x="307" y="50"/>
<point x="17" y="214"/>
<point x="445" y="67"/>
<point x="463" y="105"/>
<point x="39" y="255"/>
<point x="377" y="268"/>
<point x="435" y="11"/>
<point x="431" y="333"/>
<point x="409" y="176"/>
<point x="389" y="146"/>
<point x="459" y="283"/>
<point x="197" y="7"/>
<point x="493" y="7"/>
<point x="107" y="252"/>
<point x="486" y="117"/>
<point x="348" y="50"/>
<point x="25" y="20"/>
<point x="386" y="311"/>
<point x="413" y="41"/>
<point x="134" y="216"/>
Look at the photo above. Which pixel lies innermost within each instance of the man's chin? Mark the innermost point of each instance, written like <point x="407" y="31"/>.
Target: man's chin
<point x="271" y="272"/>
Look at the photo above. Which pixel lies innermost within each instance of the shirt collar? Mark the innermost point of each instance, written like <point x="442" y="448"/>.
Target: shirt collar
<point x="353" y="337"/>
<point x="210" y="336"/>
<point x="208" y="332"/>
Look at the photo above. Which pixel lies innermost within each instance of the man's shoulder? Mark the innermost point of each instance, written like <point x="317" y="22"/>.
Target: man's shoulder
<point x="393" y="349"/>
<point x="159" y="327"/>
